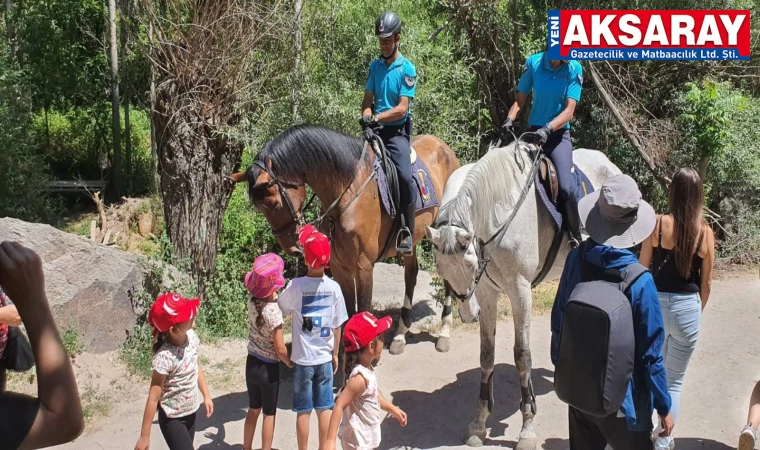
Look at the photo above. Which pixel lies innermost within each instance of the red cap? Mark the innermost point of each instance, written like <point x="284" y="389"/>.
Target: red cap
<point x="362" y="329"/>
<point x="316" y="247"/>
<point x="171" y="309"/>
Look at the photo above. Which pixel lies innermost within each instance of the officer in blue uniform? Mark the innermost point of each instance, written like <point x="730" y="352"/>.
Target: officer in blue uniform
<point x="390" y="86"/>
<point x="556" y="87"/>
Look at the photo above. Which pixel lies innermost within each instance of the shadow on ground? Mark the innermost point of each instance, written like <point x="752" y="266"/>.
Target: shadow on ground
<point x="440" y="418"/>
<point x="685" y="443"/>
<point x="233" y="407"/>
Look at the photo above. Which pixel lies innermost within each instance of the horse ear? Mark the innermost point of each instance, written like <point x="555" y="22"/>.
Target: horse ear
<point x="433" y="235"/>
<point x="262" y="180"/>
<point x="238" y="177"/>
<point x="269" y="163"/>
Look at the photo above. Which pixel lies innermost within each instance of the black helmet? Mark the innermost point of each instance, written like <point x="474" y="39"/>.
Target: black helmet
<point x="387" y="25"/>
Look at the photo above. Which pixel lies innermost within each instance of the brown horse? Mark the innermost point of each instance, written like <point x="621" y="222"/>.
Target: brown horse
<point x="340" y="171"/>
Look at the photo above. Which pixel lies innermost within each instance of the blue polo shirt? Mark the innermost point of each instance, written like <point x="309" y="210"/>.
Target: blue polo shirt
<point x="389" y="83"/>
<point x="551" y="87"/>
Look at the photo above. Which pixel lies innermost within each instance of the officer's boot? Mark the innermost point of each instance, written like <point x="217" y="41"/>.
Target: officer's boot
<point x="406" y="234"/>
<point x="573" y="220"/>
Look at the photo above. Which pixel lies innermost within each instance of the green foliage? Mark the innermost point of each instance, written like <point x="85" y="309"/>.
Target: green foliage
<point x="707" y="115"/>
<point x="77" y="143"/>
<point x="72" y="342"/>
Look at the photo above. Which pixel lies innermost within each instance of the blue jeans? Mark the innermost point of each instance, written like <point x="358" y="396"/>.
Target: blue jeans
<point x="312" y="388"/>
<point x="681" y="315"/>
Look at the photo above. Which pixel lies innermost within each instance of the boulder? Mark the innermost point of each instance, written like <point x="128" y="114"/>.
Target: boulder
<point x="89" y="286"/>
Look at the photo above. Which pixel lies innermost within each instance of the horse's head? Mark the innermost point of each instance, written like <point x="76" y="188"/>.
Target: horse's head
<point x="280" y="202"/>
<point x="457" y="262"/>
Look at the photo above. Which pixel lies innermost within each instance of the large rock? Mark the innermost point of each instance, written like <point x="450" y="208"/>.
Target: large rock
<point x="388" y="295"/>
<point x="89" y="286"/>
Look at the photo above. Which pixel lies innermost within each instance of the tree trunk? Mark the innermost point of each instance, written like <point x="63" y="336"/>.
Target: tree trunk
<point x="194" y="164"/>
<point x="116" y="122"/>
<point x="124" y="10"/>
<point x="298" y="6"/>
<point x="153" y="155"/>
<point x="704" y="163"/>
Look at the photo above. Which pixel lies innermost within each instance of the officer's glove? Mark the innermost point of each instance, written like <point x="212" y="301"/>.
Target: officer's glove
<point x="507" y="128"/>
<point x="367" y="122"/>
<point x="542" y="134"/>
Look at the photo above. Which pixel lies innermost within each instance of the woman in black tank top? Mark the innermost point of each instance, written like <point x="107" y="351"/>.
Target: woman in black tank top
<point x="680" y="254"/>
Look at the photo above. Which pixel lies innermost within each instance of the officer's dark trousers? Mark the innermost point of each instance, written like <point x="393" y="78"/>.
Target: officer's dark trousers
<point x="560" y="150"/>
<point x="396" y="140"/>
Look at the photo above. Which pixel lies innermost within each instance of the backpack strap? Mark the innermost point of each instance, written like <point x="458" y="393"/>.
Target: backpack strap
<point x="632" y="273"/>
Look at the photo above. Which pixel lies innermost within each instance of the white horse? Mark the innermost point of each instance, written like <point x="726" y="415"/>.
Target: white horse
<point x="476" y="204"/>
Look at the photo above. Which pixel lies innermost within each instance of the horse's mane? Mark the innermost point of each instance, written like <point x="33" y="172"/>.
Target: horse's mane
<point x="306" y="149"/>
<point x="488" y="194"/>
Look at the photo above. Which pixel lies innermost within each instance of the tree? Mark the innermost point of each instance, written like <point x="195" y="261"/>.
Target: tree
<point x="124" y="10"/>
<point x="209" y="59"/>
<point x="116" y="121"/>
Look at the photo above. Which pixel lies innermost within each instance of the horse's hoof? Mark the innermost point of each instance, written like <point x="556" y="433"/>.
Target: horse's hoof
<point x="527" y="443"/>
<point x="476" y="438"/>
<point x="397" y="347"/>
<point x="443" y="344"/>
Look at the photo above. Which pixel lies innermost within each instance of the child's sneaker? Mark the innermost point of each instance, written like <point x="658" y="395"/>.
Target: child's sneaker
<point x="747" y="439"/>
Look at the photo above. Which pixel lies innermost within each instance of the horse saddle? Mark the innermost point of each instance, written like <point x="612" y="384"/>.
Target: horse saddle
<point x="547" y="175"/>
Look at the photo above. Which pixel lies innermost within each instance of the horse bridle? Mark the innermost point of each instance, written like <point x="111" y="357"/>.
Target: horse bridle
<point x="483" y="260"/>
<point x="298" y="217"/>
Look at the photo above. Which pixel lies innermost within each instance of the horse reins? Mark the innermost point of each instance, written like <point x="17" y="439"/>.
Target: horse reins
<point x="484" y="259"/>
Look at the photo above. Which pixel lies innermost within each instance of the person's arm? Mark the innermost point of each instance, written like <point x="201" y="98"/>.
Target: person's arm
<point x="9" y="315"/>
<point x="151" y="406"/>
<point x="517" y="106"/>
<point x="392" y="409"/>
<point x="565" y="116"/>
<point x="396" y="113"/>
<point x="647" y="249"/>
<point x="367" y="103"/>
<point x="707" y="268"/>
<point x="280" y="347"/>
<point x="573" y="96"/>
<point x="208" y="402"/>
<point x="55" y="417"/>
<point x="354" y="388"/>
<point x="336" y="348"/>
<point x="650" y="335"/>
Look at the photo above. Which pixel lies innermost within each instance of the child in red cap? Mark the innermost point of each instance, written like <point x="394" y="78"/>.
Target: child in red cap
<point x="178" y="386"/>
<point x="357" y="410"/>
<point x="319" y="310"/>
<point x="266" y="347"/>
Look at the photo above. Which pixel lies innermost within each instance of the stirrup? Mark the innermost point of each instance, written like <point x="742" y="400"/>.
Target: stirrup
<point x="573" y="242"/>
<point x="404" y="242"/>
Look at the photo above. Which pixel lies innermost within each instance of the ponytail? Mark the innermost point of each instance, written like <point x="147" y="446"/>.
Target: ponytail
<point x="259" y="305"/>
<point x="160" y="339"/>
<point x="352" y="359"/>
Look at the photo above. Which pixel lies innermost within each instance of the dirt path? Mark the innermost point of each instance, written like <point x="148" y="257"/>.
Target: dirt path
<point x="439" y="391"/>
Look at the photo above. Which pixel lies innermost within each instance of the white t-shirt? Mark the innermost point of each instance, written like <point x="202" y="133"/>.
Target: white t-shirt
<point x="180" y="396"/>
<point x="360" y="425"/>
<point x="319" y="302"/>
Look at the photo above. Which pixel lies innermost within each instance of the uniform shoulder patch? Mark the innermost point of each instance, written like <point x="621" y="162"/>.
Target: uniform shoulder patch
<point x="409" y="80"/>
<point x="580" y="78"/>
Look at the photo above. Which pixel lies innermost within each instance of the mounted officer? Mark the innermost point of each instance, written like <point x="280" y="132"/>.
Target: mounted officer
<point x="556" y="87"/>
<point x="390" y="88"/>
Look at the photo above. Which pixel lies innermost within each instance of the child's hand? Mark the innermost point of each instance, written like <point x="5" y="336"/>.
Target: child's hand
<point x="209" y="406"/>
<point x="399" y="415"/>
<point x="143" y="443"/>
<point x="335" y="364"/>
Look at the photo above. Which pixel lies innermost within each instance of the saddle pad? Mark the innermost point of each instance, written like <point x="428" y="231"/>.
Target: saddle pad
<point x="427" y="196"/>
<point x="581" y="186"/>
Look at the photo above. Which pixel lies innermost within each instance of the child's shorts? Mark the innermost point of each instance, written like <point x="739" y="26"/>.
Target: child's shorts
<point x="313" y="388"/>
<point x="263" y="381"/>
